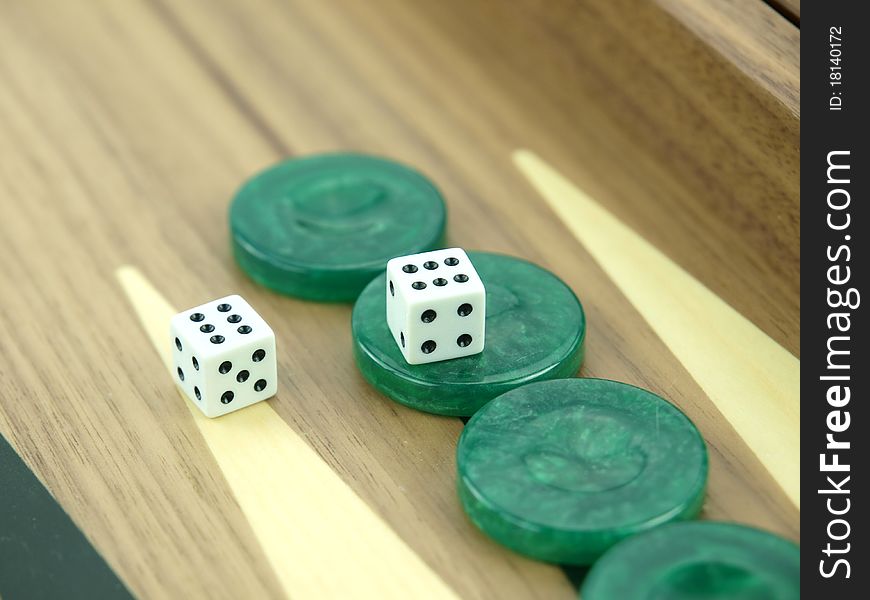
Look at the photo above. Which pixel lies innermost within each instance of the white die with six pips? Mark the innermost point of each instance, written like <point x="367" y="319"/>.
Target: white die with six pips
<point x="436" y="306"/>
<point x="224" y="355"/>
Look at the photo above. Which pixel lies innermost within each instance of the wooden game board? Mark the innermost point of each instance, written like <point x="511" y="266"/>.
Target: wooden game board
<point x="645" y="152"/>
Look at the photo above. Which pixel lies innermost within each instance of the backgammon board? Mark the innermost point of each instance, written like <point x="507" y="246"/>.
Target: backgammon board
<point x="646" y="153"/>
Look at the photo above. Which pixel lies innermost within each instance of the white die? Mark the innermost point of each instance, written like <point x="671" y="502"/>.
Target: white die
<point x="224" y="355"/>
<point x="436" y="306"/>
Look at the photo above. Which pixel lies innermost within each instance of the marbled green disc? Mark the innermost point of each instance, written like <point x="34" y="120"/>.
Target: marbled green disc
<point x="562" y="470"/>
<point x="535" y="330"/>
<point x="322" y="227"/>
<point x="697" y="561"/>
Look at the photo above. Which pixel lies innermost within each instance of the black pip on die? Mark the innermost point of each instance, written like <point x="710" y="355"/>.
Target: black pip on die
<point x="436" y="306"/>
<point x="224" y="356"/>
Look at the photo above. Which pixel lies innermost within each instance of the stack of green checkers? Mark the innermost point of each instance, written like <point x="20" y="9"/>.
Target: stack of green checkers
<point x="558" y="468"/>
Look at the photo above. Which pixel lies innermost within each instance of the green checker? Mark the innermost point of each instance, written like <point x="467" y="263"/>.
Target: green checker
<point x="697" y="561"/>
<point x="322" y="227"/>
<point x="562" y="470"/>
<point x="535" y="330"/>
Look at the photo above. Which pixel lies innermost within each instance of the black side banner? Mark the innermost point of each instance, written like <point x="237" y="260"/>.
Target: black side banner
<point x="835" y="61"/>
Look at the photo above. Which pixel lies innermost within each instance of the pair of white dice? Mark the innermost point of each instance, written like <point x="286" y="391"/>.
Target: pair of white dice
<point x="436" y="306"/>
<point x="224" y="355"/>
<point x="224" y="352"/>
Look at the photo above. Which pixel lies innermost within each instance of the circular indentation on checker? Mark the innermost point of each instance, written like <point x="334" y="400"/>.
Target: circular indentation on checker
<point x="180" y="374"/>
<point x="402" y="338"/>
<point x="242" y="376"/>
<point x="217" y="339"/>
<point x="590" y="462"/>
<point x="224" y="307"/>
<point x="234" y="319"/>
<point x="258" y="355"/>
<point x="392" y="289"/>
<point x="463" y="340"/>
<point x="428" y="316"/>
<point x="428" y="347"/>
<point x="260" y="385"/>
<point x="244" y="329"/>
<point x="194" y="362"/>
<point x="196" y="393"/>
<point x="418" y="285"/>
<point x="178" y="344"/>
<point x="712" y="579"/>
<point x="227" y="397"/>
<point x="430" y="265"/>
<point x="225" y="367"/>
<point x="207" y="328"/>
<point x="700" y="559"/>
<point x="610" y="462"/>
<point x="451" y="262"/>
<point x="464" y="309"/>
<point x="352" y="214"/>
<point x="440" y="282"/>
<point x="461" y="278"/>
<point x="409" y="268"/>
<point x="197" y="317"/>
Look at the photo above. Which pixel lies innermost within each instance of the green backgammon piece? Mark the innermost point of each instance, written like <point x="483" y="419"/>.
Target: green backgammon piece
<point x="697" y="561"/>
<point x="562" y="470"/>
<point x="322" y="227"/>
<point x="535" y="329"/>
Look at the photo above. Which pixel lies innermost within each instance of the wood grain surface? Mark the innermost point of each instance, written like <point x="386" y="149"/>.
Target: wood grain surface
<point x="126" y="127"/>
<point x="790" y="9"/>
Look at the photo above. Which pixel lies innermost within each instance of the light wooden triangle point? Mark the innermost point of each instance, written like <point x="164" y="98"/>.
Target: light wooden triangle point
<point x="322" y="540"/>
<point x="752" y="380"/>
